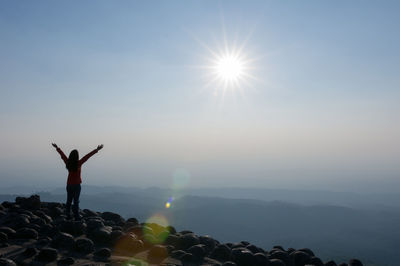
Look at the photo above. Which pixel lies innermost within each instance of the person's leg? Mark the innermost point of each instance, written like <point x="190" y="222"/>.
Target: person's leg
<point x="75" y="207"/>
<point x="69" y="201"/>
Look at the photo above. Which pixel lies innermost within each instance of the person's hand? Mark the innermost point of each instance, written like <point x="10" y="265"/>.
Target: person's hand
<point x="100" y="147"/>
<point x="54" y="145"/>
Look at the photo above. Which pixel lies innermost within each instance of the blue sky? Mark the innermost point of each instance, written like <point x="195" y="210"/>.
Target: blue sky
<point x="321" y="113"/>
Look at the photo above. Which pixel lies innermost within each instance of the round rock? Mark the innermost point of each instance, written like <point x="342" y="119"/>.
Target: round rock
<point x="47" y="254"/>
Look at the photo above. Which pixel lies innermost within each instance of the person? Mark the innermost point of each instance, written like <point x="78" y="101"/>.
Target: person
<point x="73" y="165"/>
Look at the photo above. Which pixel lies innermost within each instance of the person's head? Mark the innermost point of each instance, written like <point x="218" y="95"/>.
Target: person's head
<point x="72" y="162"/>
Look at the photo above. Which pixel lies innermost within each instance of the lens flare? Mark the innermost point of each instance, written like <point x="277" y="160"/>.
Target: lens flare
<point x="154" y="230"/>
<point x="167" y="205"/>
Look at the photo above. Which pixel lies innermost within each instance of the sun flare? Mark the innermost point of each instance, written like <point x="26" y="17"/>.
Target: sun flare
<point x="229" y="67"/>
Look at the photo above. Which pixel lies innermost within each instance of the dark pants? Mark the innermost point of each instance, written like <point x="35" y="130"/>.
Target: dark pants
<point x="73" y="193"/>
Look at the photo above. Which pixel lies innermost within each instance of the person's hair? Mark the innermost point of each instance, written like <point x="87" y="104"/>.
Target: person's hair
<point x="72" y="162"/>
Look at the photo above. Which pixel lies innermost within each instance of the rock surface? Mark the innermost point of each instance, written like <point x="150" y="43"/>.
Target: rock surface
<point x="37" y="233"/>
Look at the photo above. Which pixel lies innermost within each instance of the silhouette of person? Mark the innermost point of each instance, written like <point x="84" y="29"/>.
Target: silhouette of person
<point x="73" y="165"/>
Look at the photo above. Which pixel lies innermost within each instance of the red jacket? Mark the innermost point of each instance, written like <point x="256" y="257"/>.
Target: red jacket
<point x="74" y="177"/>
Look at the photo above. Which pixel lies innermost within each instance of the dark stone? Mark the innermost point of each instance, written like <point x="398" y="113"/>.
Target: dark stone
<point x="279" y="247"/>
<point x="7" y="262"/>
<point x="188" y="240"/>
<point x="18" y="221"/>
<point x="75" y="228"/>
<point x="187" y="258"/>
<point x="43" y="241"/>
<point x="276" y="262"/>
<point x="47" y="254"/>
<point x="8" y="231"/>
<point x="115" y="235"/>
<point x="31" y="203"/>
<point x="133" y="221"/>
<point x="316" y="261"/>
<point x="281" y="255"/>
<point x="63" y="240"/>
<point x="101" y="235"/>
<point x="242" y="256"/>
<point x="103" y="253"/>
<point x="253" y="248"/>
<point x="171" y="229"/>
<point x="308" y="251"/>
<point x="300" y="258"/>
<point x="84" y="245"/>
<point x="157" y="253"/>
<point x="208" y="242"/>
<point x="355" y="262"/>
<point x="184" y="232"/>
<point x="66" y="261"/>
<point x="198" y="251"/>
<point x="3" y="237"/>
<point x="116" y="218"/>
<point x="30" y="252"/>
<point x="330" y="263"/>
<point x="343" y="264"/>
<point x="229" y="263"/>
<point x="94" y="224"/>
<point x="221" y="253"/>
<point x="128" y="244"/>
<point x="172" y="240"/>
<point x="89" y="213"/>
<point x="26" y="233"/>
<point x="261" y="260"/>
<point x="177" y="254"/>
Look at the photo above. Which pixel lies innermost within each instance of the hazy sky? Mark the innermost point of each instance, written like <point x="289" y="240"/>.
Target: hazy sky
<point x="322" y="110"/>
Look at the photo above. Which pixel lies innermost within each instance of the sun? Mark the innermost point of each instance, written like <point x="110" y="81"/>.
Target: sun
<point x="229" y="67"/>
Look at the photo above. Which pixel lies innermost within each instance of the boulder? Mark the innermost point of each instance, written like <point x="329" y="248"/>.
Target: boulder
<point x="261" y="260"/>
<point x="7" y="262"/>
<point x="177" y="254"/>
<point x="84" y="245"/>
<point x="229" y="263"/>
<point x="316" y="261"/>
<point x="157" y="253"/>
<point x="26" y="233"/>
<point x="208" y="242"/>
<point x="3" y="237"/>
<point x="221" y="253"/>
<point x="102" y="253"/>
<point x="31" y="203"/>
<point x="242" y="256"/>
<point x="282" y="256"/>
<point x="198" y="251"/>
<point x="330" y="263"/>
<point x="8" y="231"/>
<point x="116" y="218"/>
<point x="66" y="261"/>
<point x="75" y="228"/>
<point x="63" y="240"/>
<point x="300" y="258"/>
<point x="47" y="255"/>
<point x="101" y="235"/>
<point x="30" y="252"/>
<point x="188" y="240"/>
<point x="355" y="262"/>
<point x="276" y="262"/>
<point x="308" y="251"/>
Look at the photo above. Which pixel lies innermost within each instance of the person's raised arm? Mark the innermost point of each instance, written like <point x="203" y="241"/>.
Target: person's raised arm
<point x="90" y="154"/>
<point x="63" y="157"/>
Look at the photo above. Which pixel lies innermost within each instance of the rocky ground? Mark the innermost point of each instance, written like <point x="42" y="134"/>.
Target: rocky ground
<point x="37" y="233"/>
